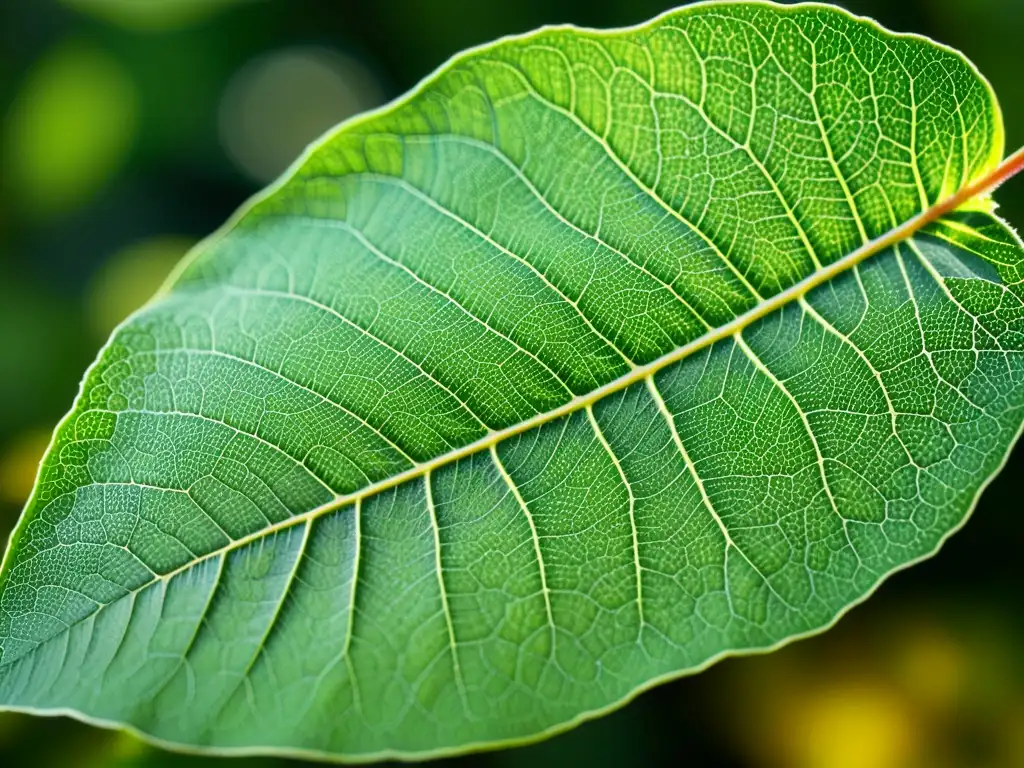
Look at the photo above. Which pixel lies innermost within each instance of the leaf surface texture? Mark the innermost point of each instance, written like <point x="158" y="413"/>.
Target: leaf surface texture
<point x="532" y="389"/>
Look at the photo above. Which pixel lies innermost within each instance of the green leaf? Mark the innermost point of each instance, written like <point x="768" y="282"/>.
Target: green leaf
<point x="598" y="357"/>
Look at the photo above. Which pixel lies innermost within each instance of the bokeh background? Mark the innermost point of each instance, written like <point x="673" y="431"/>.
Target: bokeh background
<point x="131" y="128"/>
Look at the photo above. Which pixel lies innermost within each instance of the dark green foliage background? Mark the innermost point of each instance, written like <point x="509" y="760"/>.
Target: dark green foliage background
<point x="958" y="616"/>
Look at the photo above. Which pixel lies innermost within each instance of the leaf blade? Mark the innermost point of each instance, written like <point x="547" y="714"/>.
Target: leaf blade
<point x="269" y="482"/>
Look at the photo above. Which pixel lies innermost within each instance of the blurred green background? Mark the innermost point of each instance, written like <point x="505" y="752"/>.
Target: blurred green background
<point x="130" y="128"/>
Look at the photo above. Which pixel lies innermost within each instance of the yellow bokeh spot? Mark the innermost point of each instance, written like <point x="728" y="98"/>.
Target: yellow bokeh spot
<point x="1015" y="734"/>
<point x="18" y="466"/>
<point x="931" y="667"/>
<point x="70" y="128"/>
<point x="856" y="724"/>
<point x="150" y="15"/>
<point x="129" y="278"/>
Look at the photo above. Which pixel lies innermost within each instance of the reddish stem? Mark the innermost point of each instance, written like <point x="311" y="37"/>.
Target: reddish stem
<point x="1007" y="169"/>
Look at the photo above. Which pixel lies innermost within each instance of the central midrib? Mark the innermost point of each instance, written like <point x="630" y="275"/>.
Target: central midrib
<point x="1010" y="166"/>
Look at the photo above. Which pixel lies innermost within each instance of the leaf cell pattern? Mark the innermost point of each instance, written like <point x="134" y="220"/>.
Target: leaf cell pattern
<point x="528" y="391"/>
